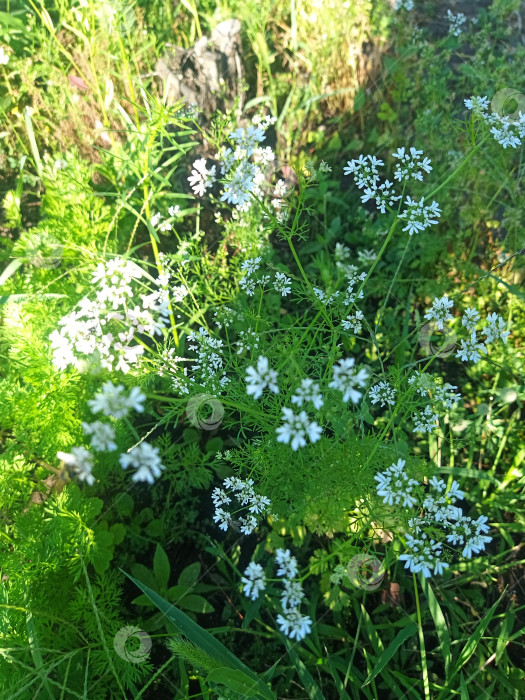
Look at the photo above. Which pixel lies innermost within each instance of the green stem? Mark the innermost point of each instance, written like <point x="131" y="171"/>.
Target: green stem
<point x="422" y="650"/>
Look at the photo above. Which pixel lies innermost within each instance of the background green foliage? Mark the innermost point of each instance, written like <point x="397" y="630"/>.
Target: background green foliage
<point x="356" y="79"/>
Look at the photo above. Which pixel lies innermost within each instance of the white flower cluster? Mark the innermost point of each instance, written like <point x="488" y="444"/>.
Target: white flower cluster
<point x="404" y="5"/>
<point x="395" y="486"/>
<point x="290" y="621"/>
<point x="507" y="131"/>
<point x="296" y="428"/>
<point x="113" y="402"/>
<point x="323" y="297"/>
<point x="240" y="165"/>
<point x="471" y="348"/>
<point x="353" y="322"/>
<point x="202" y="177"/>
<point x="353" y="277"/>
<point x="257" y="380"/>
<point x="426" y="385"/>
<point x="425" y="421"/>
<point x="440" y="520"/>
<point x="383" y="392"/>
<point x="308" y="392"/>
<point x="366" y="175"/>
<point x="442" y="397"/>
<point x="102" y="329"/>
<point x="158" y="221"/>
<point x="248" y="340"/>
<point x="243" y="492"/>
<point x="418" y="216"/>
<point x="346" y="378"/>
<point x="281" y="282"/>
<point x="439" y="312"/>
<point x="410" y="165"/>
<point x="208" y="370"/>
<point x="145" y="459"/>
<point x="455" y="22"/>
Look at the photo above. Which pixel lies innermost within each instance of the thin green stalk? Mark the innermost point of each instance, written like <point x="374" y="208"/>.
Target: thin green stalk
<point x="421" y="634"/>
<point x="154" y="245"/>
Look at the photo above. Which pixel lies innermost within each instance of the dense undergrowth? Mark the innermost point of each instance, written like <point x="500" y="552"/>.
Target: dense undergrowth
<point x="262" y="366"/>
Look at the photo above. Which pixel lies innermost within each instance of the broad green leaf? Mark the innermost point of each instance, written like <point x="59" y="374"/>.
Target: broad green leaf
<point x="145" y="575"/>
<point x="463" y="688"/>
<point x="189" y="575"/>
<point x="161" y="567"/>
<point x="473" y="641"/>
<point x="504" y="634"/>
<point x="234" y="680"/>
<point x="196" y="603"/>
<point x="391" y="649"/>
<point x="311" y="687"/>
<point x="202" y="638"/>
<point x="439" y="621"/>
<point x="10" y="270"/>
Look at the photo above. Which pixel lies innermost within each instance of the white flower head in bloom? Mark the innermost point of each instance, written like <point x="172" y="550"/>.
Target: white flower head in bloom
<point x="418" y="216"/>
<point x="248" y="139"/>
<point x="507" y="131"/>
<point x="294" y="624"/>
<point x="287" y="563"/>
<point x="223" y="518"/>
<point x="259" y="379"/>
<point x="470" y="318"/>
<point x="243" y="492"/>
<point x="384" y="195"/>
<point x="478" y="105"/>
<point x="201" y="179"/>
<point x="404" y="5"/>
<point x="425" y="421"/>
<point x="455" y="22"/>
<point x="471" y="349"/>
<point x="346" y="379"/>
<point x="395" y="486"/>
<point x="424" y="555"/>
<point x="494" y="328"/>
<point x="4" y="57"/>
<point x="365" y="171"/>
<point x="469" y="534"/>
<point x="81" y="460"/>
<point x="145" y="460"/>
<point x="308" y="391"/>
<point x="254" y="580"/>
<point x="353" y="322"/>
<point x="292" y="595"/>
<point x="439" y="311"/>
<point x="410" y="165"/>
<point x="102" y="436"/>
<point x="384" y="393"/>
<point x="296" y="428"/>
<point x="112" y="401"/>
<point x="282" y="284"/>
